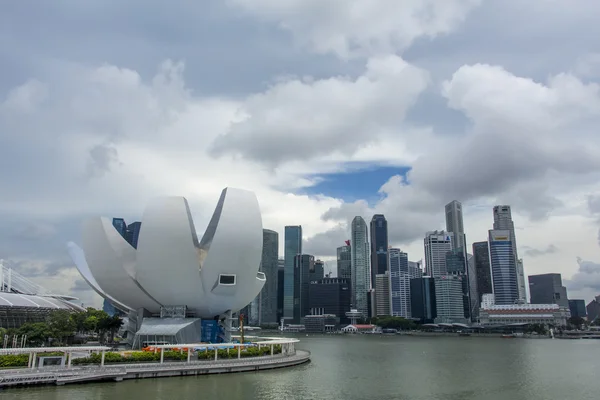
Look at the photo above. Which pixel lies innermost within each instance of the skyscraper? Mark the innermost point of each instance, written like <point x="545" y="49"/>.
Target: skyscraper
<point x="344" y="261"/>
<point x="437" y="244"/>
<point x="361" y="272"/>
<point x="548" y="289"/>
<point x="292" y="247"/>
<point x="303" y="263"/>
<point x="379" y="246"/>
<point x="423" y="299"/>
<point x="503" y="267"/>
<point x="449" y="299"/>
<point x="269" y="263"/>
<point x="481" y="256"/>
<point x="454" y="224"/>
<point x="382" y="294"/>
<point x="120" y="226"/>
<point x="318" y="271"/>
<point x="133" y="233"/>
<point x="280" y="284"/>
<point x="503" y="221"/>
<point x="400" y="276"/>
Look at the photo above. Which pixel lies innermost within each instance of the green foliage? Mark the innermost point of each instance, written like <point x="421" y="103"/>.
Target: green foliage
<point x="61" y="325"/>
<point x="540" y="329"/>
<point x="388" y="322"/>
<point x="134" y="357"/>
<point x="576" y="322"/>
<point x="37" y="333"/>
<point x="14" y="360"/>
<point x="233" y="353"/>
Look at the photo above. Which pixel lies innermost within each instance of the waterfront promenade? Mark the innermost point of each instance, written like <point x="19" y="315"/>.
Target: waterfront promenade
<point x="119" y="372"/>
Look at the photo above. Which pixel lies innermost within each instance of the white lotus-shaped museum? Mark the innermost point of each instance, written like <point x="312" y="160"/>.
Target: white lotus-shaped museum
<point x="170" y="267"/>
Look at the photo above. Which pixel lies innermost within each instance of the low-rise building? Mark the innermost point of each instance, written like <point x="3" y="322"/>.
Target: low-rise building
<point x="547" y="314"/>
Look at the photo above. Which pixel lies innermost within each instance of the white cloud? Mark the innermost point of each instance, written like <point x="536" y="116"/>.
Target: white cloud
<point x="350" y="28"/>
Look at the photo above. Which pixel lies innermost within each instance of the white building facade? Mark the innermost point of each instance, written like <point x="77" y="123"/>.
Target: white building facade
<point x="437" y="244"/>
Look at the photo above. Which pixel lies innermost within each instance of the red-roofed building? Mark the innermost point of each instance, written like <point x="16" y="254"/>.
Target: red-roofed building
<point x="359" y="328"/>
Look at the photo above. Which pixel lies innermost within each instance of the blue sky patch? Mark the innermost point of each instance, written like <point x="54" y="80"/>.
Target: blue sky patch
<point x="356" y="183"/>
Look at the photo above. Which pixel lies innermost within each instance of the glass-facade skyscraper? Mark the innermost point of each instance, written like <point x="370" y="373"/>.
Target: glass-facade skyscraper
<point x="503" y="267"/>
<point x="503" y="221"/>
<point x="361" y="271"/>
<point x="344" y="262"/>
<point x="268" y="265"/>
<point x="400" y="283"/>
<point x="292" y="248"/>
<point x="303" y="264"/>
<point x="379" y="246"/>
<point x="481" y="258"/>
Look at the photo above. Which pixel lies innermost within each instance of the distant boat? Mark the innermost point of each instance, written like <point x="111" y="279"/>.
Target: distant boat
<point x="509" y="336"/>
<point x="464" y="334"/>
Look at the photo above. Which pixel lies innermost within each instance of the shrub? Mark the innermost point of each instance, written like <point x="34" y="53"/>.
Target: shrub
<point x="14" y="360"/>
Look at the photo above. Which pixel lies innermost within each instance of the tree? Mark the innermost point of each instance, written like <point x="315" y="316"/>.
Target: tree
<point x="61" y="325"/>
<point x="38" y="333"/>
<point x="576" y="322"/>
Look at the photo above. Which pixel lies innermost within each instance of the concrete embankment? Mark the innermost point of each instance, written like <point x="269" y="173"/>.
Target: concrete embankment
<point x="119" y="372"/>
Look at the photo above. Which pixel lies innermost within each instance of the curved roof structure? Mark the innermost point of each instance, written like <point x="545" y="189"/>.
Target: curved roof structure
<point x="18" y="300"/>
<point x="170" y="266"/>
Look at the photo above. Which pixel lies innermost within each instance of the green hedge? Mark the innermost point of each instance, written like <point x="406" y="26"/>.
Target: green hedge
<point x="21" y="360"/>
<point x="233" y="353"/>
<point x="136" y="356"/>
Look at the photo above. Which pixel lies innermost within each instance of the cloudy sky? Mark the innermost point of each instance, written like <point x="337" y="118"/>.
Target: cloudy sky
<point x="327" y="109"/>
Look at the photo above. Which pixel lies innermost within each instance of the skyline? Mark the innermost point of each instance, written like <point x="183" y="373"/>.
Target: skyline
<point x="391" y="110"/>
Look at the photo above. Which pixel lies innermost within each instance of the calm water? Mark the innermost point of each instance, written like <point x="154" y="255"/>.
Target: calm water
<point x="383" y="367"/>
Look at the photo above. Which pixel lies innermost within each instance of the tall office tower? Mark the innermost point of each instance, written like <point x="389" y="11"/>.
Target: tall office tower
<point x="303" y="263"/>
<point x="344" y="261"/>
<point x="481" y="257"/>
<point x="292" y="247"/>
<point x="280" y="284"/>
<point x="454" y="224"/>
<point x="503" y="268"/>
<point x="437" y="244"/>
<point x="577" y="308"/>
<point x="414" y="269"/>
<point x="423" y="299"/>
<point x="593" y="309"/>
<point x="473" y="292"/>
<point x="330" y="296"/>
<point x="400" y="276"/>
<point x="548" y="289"/>
<point x="361" y="271"/>
<point x="120" y="226"/>
<point x="318" y="271"/>
<point x="456" y="265"/>
<point x="379" y="246"/>
<point x="268" y="266"/>
<point x="382" y="294"/>
<point x="133" y="233"/>
<point x="503" y="221"/>
<point x="449" y="299"/>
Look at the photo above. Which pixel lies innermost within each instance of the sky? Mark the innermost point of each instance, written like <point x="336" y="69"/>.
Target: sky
<point x="325" y="109"/>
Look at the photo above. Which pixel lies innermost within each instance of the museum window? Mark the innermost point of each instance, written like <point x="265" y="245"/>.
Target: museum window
<point x="227" y="279"/>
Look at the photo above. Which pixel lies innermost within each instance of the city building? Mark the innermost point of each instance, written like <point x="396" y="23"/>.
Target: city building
<point x="401" y="273"/>
<point x="331" y="296"/>
<point x="320" y="323"/>
<point x="110" y="309"/>
<point x="361" y="271"/>
<point x="382" y="294"/>
<point x="454" y="224"/>
<point x="548" y="289"/>
<point x="269" y="266"/>
<point x="503" y="267"/>
<point x="280" y="283"/>
<point x="473" y="292"/>
<point x="414" y="269"/>
<point x="437" y="244"/>
<point x="503" y="221"/>
<point x="449" y="299"/>
<point x="344" y="261"/>
<point x="292" y="247"/>
<point x="547" y="314"/>
<point x="577" y="308"/>
<point x="593" y="309"/>
<point x="423" y="299"/>
<point x="175" y="285"/>
<point x="24" y="301"/>
<point x="371" y="304"/>
<point x="318" y="271"/>
<point x="379" y="246"/>
<point x="481" y="258"/>
<point x="120" y="226"/>
<point x="303" y="264"/>
<point x="133" y="233"/>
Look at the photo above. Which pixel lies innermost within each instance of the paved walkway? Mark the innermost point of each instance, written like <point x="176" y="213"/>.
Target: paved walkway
<point x="62" y="375"/>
